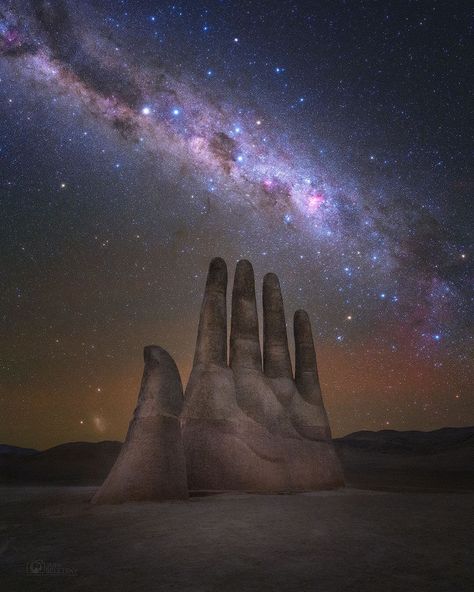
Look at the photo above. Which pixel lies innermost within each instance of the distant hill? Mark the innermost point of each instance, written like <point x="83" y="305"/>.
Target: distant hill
<point x="387" y="460"/>
<point x="391" y="460"/>
<point x="411" y="442"/>
<point x="7" y="449"/>
<point x="74" y="463"/>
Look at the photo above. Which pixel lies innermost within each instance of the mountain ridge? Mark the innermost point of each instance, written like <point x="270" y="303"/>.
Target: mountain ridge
<point x="391" y="460"/>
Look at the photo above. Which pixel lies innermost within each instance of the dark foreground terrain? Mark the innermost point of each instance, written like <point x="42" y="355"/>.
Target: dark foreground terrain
<point x="403" y="524"/>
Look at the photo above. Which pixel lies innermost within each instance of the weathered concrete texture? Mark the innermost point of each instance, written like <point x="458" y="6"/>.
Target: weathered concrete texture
<point x="276" y="355"/>
<point x="151" y="464"/>
<point x="211" y="344"/>
<point x="225" y="448"/>
<point x="244" y="336"/>
<point x="233" y="456"/>
<point x="250" y="429"/>
<point x="306" y="371"/>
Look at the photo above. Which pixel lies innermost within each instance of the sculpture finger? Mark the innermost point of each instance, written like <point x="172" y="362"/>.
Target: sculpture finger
<point x="151" y="464"/>
<point x="244" y="337"/>
<point x="276" y="355"/>
<point x="211" y="343"/>
<point x="306" y="371"/>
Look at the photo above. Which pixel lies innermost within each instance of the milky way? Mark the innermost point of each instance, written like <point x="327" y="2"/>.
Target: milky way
<point x="387" y="255"/>
<point x="234" y="151"/>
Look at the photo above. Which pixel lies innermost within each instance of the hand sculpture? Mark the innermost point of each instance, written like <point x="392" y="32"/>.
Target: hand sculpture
<point x="248" y="429"/>
<point x="241" y="428"/>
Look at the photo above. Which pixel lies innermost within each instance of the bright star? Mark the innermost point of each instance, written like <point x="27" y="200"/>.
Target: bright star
<point x="146" y="110"/>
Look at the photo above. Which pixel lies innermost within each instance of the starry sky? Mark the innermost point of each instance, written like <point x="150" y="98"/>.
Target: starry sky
<point x="328" y="142"/>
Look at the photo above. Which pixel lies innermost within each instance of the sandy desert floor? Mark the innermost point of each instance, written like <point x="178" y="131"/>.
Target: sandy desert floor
<point x="51" y="538"/>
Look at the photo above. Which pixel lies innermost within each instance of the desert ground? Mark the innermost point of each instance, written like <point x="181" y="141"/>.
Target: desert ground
<point x="404" y="523"/>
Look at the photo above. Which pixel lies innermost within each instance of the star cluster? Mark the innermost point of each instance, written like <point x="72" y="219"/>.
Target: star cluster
<point x="326" y="143"/>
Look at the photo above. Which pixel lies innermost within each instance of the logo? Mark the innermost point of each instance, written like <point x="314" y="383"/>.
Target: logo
<point x="38" y="567"/>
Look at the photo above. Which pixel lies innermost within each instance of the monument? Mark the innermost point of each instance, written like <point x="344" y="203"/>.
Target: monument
<point x="246" y="423"/>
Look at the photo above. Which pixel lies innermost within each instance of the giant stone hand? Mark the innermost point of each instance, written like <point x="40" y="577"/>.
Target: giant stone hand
<point x="250" y="428"/>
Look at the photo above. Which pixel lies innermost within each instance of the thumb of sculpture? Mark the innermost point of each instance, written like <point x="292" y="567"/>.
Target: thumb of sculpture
<point x="151" y="464"/>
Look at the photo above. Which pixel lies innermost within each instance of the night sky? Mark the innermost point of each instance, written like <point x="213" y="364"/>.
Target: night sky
<point x="328" y="142"/>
